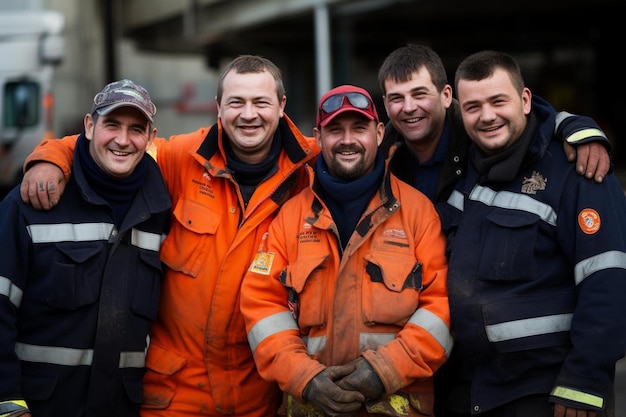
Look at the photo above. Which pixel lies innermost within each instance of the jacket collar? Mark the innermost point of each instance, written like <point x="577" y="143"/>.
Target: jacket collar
<point x="292" y="138"/>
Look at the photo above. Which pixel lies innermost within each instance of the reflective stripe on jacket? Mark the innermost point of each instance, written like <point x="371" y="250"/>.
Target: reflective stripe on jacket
<point x="307" y="305"/>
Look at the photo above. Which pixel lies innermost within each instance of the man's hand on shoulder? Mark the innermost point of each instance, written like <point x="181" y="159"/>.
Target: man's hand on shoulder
<point x="592" y="159"/>
<point x="42" y="186"/>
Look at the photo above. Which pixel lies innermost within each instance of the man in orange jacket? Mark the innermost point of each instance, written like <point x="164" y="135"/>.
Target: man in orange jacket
<point x="345" y="303"/>
<point x="226" y="183"/>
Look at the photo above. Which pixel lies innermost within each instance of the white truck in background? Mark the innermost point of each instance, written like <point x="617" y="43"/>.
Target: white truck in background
<point x="31" y="45"/>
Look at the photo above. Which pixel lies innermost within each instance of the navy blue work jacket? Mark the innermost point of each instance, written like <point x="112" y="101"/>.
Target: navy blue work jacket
<point x="537" y="280"/>
<point x="77" y="297"/>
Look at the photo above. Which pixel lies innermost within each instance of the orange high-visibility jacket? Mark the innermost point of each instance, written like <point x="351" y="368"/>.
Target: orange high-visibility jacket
<point x="307" y="305"/>
<point x="199" y="360"/>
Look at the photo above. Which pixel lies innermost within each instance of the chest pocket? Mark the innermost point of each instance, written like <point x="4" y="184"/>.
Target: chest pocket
<point x="147" y="284"/>
<point x="391" y="288"/>
<point x="310" y="283"/>
<point x="184" y="249"/>
<point x="77" y="271"/>
<point x="509" y="242"/>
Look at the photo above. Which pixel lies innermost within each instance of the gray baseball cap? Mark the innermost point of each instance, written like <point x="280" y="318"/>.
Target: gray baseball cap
<point x="123" y="93"/>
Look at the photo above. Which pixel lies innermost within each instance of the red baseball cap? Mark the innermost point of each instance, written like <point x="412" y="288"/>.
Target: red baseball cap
<point x="342" y="99"/>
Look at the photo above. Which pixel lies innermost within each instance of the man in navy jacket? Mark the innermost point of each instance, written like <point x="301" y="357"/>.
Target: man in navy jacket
<point x="537" y="261"/>
<point x="79" y="283"/>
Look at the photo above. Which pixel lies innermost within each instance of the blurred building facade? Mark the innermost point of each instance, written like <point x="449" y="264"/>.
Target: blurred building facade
<point x="176" y="48"/>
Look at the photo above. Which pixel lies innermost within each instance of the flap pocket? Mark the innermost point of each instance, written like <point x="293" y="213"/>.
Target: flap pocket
<point x="163" y="361"/>
<point x="161" y="378"/>
<point x="196" y="217"/>
<point x="77" y="271"/>
<point x="396" y="272"/>
<point x="507" y="254"/>
<point x="299" y="272"/>
<point x="37" y="386"/>
<point x="191" y="235"/>
<point x="506" y="218"/>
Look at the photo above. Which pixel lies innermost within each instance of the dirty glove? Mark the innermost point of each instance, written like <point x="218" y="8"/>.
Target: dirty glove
<point x="363" y="379"/>
<point x="323" y="393"/>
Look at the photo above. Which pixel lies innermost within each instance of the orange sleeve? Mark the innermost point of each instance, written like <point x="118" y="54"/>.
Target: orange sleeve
<point x="56" y="151"/>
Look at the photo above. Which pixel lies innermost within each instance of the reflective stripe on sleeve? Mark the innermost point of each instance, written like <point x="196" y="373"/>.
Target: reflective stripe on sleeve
<point x="579" y="135"/>
<point x="7" y="408"/>
<point x="373" y="340"/>
<point x="314" y="344"/>
<point x="72" y="357"/>
<point x="12" y="291"/>
<point x="456" y="200"/>
<point x="510" y="200"/>
<point x="529" y="327"/>
<point x="560" y="116"/>
<point x="69" y="232"/>
<point x="269" y="326"/>
<point x="436" y="327"/>
<point x="606" y="260"/>
<point x="578" y="396"/>
<point x="146" y="240"/>
<point x="584" y="134"/>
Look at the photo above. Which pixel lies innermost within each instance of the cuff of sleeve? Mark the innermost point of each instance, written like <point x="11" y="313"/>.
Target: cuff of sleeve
<point x="13" y="408"/>
<point x="575" y="398"/>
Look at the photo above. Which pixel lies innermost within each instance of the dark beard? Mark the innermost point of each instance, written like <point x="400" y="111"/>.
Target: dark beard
<point x="347" y="174"/>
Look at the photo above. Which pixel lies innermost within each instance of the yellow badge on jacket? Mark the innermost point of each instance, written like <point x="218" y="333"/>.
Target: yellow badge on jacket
<point x="262" y="263"/>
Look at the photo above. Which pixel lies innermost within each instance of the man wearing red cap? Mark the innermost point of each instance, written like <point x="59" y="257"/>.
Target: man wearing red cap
<point x="345" y="302"/>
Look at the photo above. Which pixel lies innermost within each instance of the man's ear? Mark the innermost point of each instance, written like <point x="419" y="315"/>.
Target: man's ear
<point x="151" y="136"/>
<point x="88" y="124"/>
<point x="380" y="132"/>
<point x="318" y="136"/>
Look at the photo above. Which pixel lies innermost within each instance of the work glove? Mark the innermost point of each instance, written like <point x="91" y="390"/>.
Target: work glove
<point x="323" y="393"/>
<point x="363" y="379"/>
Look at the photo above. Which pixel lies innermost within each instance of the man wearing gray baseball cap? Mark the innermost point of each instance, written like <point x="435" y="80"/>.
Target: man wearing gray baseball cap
<point x="80" y="283"/>
<point x="124" y="93"/>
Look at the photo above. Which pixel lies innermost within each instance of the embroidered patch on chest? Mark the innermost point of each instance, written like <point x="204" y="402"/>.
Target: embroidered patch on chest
<point x="533" y="184"/>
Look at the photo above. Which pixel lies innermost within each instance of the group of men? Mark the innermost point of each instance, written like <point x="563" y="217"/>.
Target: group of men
<point x="315" y="276"/>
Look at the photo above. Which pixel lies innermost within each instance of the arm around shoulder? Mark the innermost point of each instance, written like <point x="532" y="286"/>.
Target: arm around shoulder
<point x="46" y="171"/>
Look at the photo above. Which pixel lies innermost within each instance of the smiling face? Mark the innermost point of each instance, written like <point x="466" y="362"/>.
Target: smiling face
<point x="418" y="111"/>
<point x="118" y="140"/>
<point x="494" y="112"/>
<point x="250" y="111"/>
<point x="349" y="144"/>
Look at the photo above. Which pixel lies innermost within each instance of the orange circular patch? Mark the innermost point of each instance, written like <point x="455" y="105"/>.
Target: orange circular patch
<point x="589" y="221"/>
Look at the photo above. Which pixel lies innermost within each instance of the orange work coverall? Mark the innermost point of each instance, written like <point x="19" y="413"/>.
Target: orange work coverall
<point x="307" y="305"/>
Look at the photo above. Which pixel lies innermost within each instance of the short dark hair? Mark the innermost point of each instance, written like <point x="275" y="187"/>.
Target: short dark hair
<point x="245" y="64"/>
<point x="404" y="61"/>
<point x="481" y="65"/>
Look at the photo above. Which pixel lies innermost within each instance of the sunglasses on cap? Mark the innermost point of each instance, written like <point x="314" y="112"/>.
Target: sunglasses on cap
<point x="334" y="102"/>
<point x="355" y="100"/>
